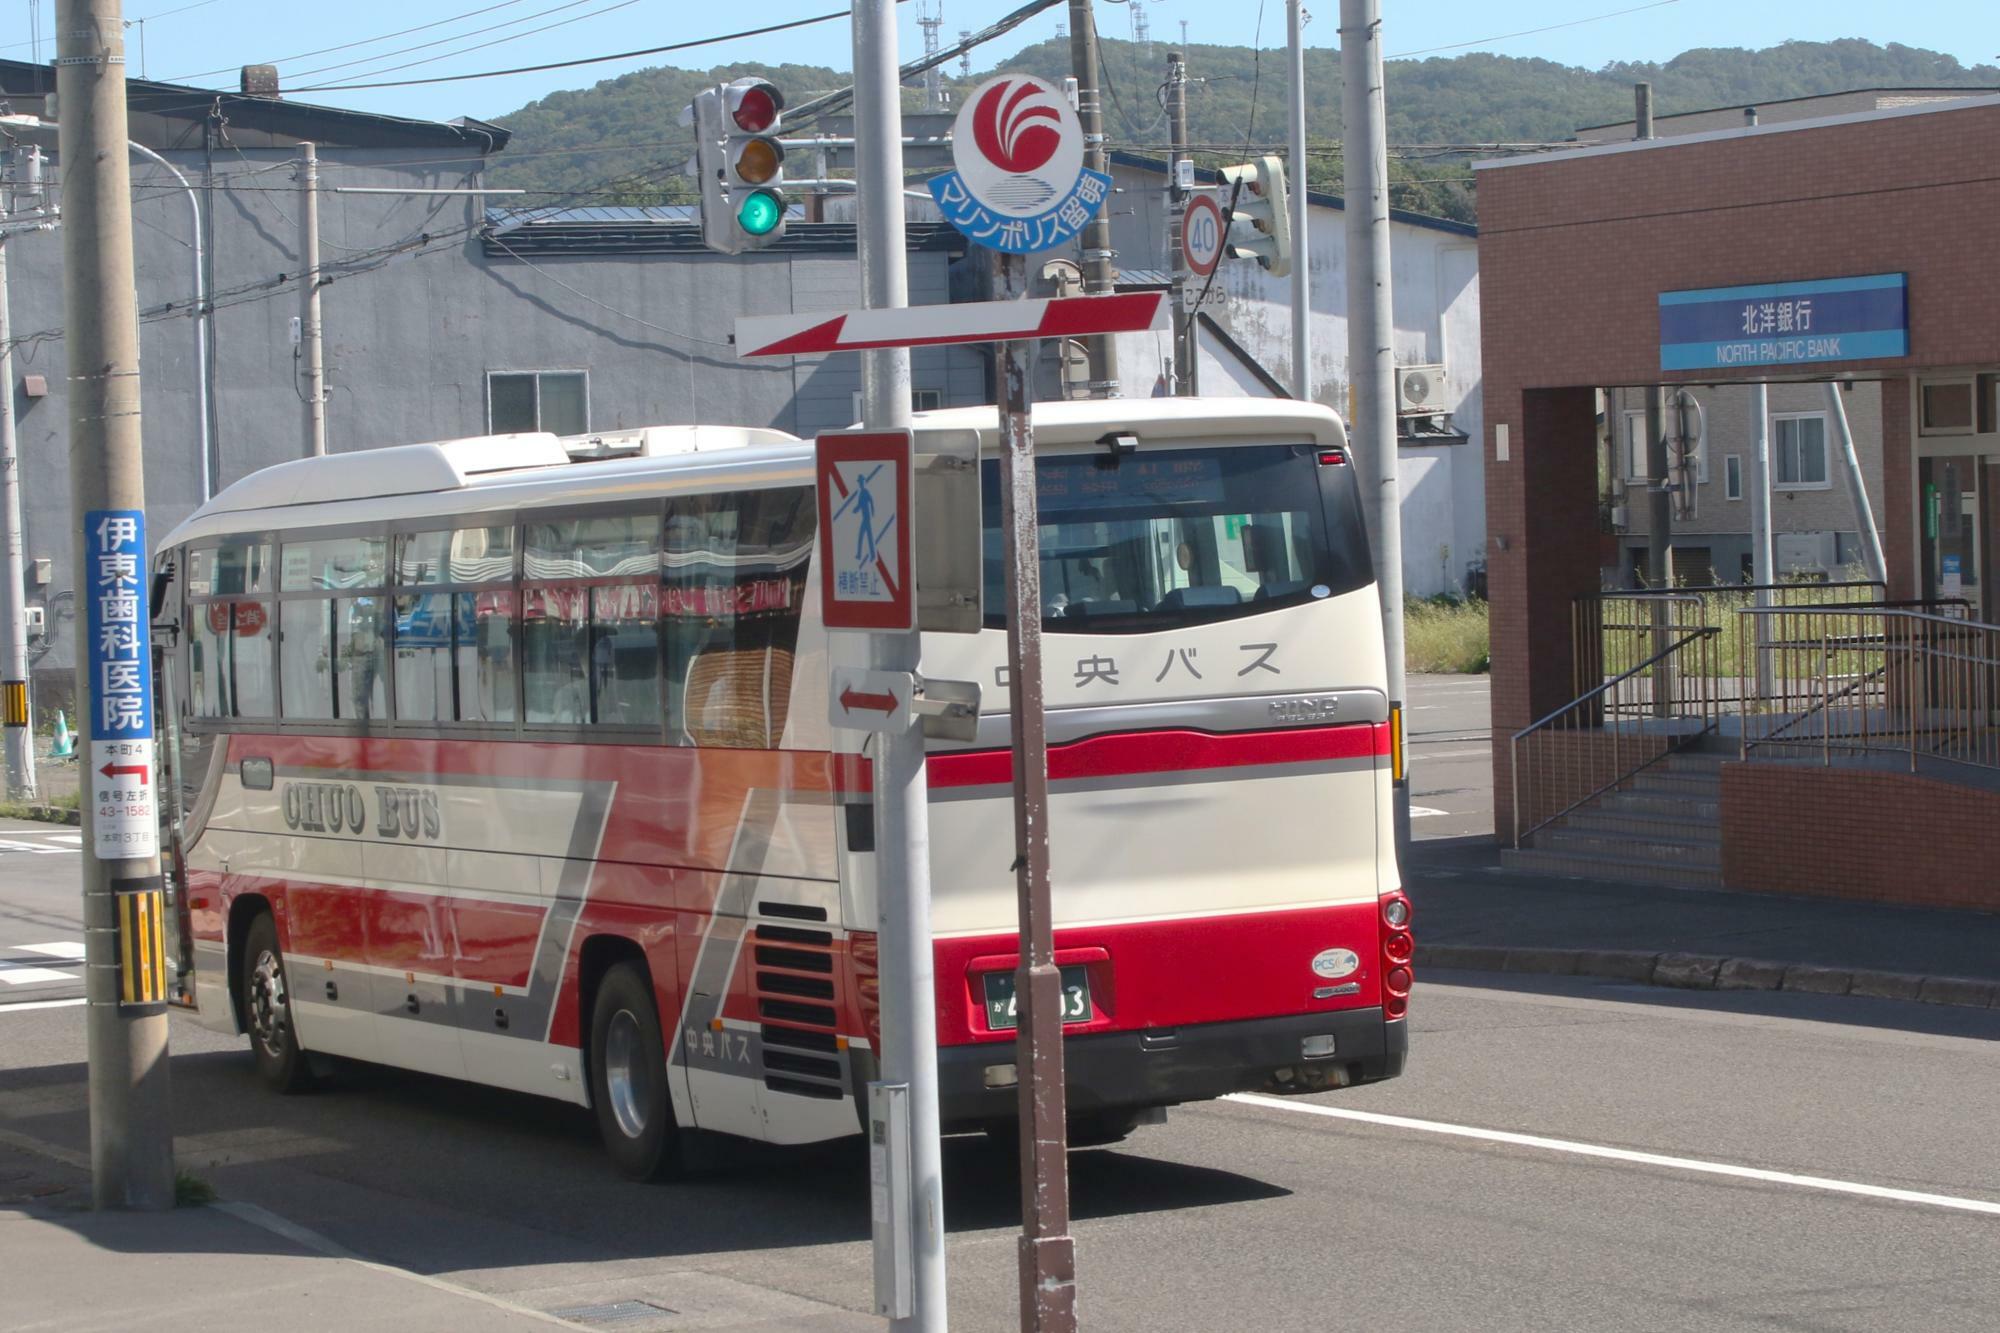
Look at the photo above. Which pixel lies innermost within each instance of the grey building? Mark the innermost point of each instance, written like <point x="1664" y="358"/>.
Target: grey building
<point x="444" y="317"/>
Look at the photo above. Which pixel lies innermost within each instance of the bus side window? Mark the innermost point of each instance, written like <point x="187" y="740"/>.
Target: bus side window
<point x="733" y="588"/>
<point x="332" y="649"/>
<point x="590" y="620"/>
<point x="229" y="633"/>
<point x="455" y="638"/>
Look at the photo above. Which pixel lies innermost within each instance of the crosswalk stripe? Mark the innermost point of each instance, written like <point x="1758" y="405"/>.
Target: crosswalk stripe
<point x="72" y="949"/>
<point x="30" y="976"/>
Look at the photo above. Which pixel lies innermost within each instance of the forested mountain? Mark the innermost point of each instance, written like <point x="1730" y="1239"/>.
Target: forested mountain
<point x="620" y="141"/>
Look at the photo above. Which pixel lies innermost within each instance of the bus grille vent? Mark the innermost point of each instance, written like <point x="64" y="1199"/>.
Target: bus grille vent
<point x="798" y="1001"/>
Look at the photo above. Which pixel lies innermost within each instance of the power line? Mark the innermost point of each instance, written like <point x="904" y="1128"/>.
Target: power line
<point x="464" y="50"/>
<point x="349" y="46"/>
<point x="1530" y="32"/>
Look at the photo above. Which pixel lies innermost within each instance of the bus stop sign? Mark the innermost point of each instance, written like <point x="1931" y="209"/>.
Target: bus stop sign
<point x="866" y="579"/>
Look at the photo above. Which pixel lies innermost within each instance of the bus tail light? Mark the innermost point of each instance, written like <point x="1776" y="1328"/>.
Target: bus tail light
<point x="1332" y="457"/>
<point x="1397" y="950"/>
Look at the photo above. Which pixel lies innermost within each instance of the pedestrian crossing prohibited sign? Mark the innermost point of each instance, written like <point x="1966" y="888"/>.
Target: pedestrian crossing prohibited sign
<point x="864" y="530"/>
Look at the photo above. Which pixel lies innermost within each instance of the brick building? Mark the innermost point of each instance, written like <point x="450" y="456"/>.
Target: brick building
<point x="1594" y="263"/>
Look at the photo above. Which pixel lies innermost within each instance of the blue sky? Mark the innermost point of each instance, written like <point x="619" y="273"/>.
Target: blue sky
<point x="210" y="38"/>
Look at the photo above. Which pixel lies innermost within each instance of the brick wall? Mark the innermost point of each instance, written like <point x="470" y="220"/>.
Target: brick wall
<point x="1802" y="828"/>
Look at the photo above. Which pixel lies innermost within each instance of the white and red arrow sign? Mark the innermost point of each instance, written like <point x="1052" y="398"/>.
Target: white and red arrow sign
<point x="935" y="325"/>
<point x="865" y="700"/>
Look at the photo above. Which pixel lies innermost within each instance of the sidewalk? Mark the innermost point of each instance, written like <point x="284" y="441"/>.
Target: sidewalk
<point x="1472" y="914"/>
<point x="69" y="1269"/>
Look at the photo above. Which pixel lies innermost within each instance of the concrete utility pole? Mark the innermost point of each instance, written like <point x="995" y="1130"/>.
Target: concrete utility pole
<point x="1864" y="511"/>
<point x="26" y="210"/>
<point x="1371" y="351"/>
<point x="311" y="353"/>
<point x="901" y="787"/>
<point x="1100" y="274"/>
<point x="1185" y="340"/>
<point x="131" y="1134"/>
<point x="1302" y="386"/>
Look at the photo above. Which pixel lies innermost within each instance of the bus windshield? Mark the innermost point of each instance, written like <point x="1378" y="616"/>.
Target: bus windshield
<point x="1167" y="538"/>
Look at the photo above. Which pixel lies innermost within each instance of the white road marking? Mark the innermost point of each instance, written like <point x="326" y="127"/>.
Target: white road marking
<point x="1425" y="812"/>
<point x="39" y="1004"/>
<point x="9" y="845"/>
<point x="71" y="949"/>
<point x="29" y="976"/>
<point x="1417" y="751"/>
<point x="1694" y="1164"/>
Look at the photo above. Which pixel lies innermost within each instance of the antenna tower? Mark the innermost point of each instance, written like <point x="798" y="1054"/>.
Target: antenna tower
<point x="930" y="17"/>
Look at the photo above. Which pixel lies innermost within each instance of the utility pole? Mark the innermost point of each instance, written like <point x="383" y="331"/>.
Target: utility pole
<point x="1371" y="351"/>
<point x="311" y="352"/>
<point x="25" y="210"/>
<point x="1659" y="501"/>
<point x="1099" y="273"/>
<point x="901" y="785"/>
<point x="131" y="1134"/>
<point x="1302" y="387"/>
<point x="1185" y="337"/>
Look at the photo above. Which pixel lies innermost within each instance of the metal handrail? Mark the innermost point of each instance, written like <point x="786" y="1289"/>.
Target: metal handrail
<point x="1583" y="700"/>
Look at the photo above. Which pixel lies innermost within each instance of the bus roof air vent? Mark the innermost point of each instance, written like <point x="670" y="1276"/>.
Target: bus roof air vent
<point x="668" y="441"/>
<point x="504" y="453"/>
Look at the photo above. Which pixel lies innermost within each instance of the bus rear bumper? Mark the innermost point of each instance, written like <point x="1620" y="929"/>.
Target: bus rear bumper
<point x="1164" y="1066"/>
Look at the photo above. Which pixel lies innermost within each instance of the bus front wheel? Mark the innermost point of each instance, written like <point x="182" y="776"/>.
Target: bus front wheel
<point x="628" y="1076"/>
<point x="267" y="1010"/>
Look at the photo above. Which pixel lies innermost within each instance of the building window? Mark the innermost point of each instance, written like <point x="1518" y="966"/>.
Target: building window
<point x="1947" y="407"/>
<point x="1732" y="477"/>
<point x="1635" y="445"/>
<point x="557" y="401"/>
<point x="1798" y="441"/>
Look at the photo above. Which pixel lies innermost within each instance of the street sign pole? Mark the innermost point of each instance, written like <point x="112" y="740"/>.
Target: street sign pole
<point x="914" y="1300"/>
<point x="131" y="1133"/>
<point x="1047" y="1250"/>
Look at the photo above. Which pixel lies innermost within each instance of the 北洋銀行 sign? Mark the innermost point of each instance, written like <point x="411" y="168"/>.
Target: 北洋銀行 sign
<point x="1786" y="323"/>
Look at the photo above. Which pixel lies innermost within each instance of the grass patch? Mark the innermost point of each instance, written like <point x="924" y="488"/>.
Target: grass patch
<point x="191" y="1191"/>
<point x="1445" y="635"/>
<point x="39" y="808"/>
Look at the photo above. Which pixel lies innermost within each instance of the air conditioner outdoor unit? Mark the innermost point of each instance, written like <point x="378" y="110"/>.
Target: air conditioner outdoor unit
<point x="1419" y="390"/>
<point x="38" y="625"/>
<point x="1807" y="553"/>
<point x="1621" y="516"/>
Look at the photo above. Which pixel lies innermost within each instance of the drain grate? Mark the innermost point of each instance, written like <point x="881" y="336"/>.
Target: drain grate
<point x="618" y="1312"/>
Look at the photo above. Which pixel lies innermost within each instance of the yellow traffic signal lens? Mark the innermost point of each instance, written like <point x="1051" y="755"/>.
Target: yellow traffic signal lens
<point x="758" y="161"/>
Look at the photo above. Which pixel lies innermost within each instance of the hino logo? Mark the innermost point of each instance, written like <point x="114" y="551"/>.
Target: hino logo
<point x="1324" y="708"/>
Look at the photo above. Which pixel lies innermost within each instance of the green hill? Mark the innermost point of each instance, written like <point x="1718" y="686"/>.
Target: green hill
<point x="620" y="141"/>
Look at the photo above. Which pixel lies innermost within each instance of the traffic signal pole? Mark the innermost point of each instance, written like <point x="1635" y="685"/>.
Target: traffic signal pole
<point x="1371" y="352"/>
<point x="1100" y="273"/>
<point x="901" y="790"/>
<point x="1302" y="385"/>
<point x="131" y="1137"/>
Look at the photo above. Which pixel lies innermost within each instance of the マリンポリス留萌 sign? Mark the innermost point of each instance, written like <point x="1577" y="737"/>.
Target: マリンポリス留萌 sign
<point x="1020" y="184"/>
<point x="1786" y="323"/>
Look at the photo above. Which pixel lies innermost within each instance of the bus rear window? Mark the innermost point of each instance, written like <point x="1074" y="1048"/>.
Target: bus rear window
<point x="1166" y="538"/>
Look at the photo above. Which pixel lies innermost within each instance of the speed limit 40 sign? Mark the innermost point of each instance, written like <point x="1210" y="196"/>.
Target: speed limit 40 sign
<point x="1201" y="234"/>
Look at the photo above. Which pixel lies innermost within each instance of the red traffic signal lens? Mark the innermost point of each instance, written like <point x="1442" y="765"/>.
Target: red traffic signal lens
<point x="758" y="161"/>
<point x="755" y="106"/>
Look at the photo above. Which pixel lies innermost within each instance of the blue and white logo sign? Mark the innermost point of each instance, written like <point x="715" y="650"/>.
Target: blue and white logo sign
<point x="1021" y="185"/>
<point x="120" y="779"/>
<point x="1786" y="323"/>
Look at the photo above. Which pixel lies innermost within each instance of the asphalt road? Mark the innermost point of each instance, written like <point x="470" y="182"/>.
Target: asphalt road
<point x="1234" y="1215"/>
<point x="1449" y="735"/>
<point x="41" y="912"/>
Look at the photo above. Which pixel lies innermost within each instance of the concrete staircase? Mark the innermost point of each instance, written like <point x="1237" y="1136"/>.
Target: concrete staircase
<point x="1664" y="827"/>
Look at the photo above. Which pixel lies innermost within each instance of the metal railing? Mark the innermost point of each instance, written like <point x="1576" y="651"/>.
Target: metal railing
<point x="1858" y="683"/>
<point x="1666" y="701"/>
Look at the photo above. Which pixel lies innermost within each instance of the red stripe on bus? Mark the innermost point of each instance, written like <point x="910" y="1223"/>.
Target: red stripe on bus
<point x="1168" y="752"/>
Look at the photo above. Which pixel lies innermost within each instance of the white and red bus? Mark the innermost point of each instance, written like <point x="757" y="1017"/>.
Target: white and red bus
<point x="492" y="763"/>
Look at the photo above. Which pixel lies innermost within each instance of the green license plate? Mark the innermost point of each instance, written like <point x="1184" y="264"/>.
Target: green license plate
<point x="1000" y="1013"/>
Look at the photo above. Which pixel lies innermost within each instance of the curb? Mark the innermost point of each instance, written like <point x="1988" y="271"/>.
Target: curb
<point x="1690" y="971"/>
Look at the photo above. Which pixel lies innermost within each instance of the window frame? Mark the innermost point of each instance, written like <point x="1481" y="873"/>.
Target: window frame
<point x="507" y="518"/>
<point x="1777" y="454"/>
<point x="189" y="606"/>
<point x="536" y="375"/>
<point x="1732" y="476"/>
<point x="1970" y="383"/>
<point x="528" y="517"/>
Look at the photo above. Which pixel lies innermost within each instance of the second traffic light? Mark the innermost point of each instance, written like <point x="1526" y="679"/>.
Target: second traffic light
<point x="1260" y="224"/>
<point x="753" y="159"/>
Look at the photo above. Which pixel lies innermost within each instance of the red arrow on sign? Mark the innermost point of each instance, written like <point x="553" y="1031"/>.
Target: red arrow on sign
<point x="125" y="771"/>
<point x="852" y="699"/>
<point x="936" y="325"/>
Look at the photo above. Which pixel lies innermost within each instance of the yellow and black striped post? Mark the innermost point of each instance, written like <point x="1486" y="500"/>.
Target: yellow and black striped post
<point x="13" y="703"/>
<point x="142" y="941"/>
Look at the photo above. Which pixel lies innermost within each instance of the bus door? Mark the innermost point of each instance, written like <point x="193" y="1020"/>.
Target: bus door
<point x="167" y="798"/>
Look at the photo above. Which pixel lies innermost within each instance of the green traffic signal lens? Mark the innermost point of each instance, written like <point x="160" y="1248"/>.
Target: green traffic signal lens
<point x="761" y="213"/>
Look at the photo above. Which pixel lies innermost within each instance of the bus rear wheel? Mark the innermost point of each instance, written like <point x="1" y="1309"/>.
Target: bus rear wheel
<point x="267" y="1010"/>
<point x="628" y="1077"/>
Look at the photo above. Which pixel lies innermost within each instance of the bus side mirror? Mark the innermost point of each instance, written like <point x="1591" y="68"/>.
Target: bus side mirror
<point x="163" y="579"/>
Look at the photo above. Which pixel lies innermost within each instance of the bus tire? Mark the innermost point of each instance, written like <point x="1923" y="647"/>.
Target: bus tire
<point x="267" y="1010"/>
<point x="628" y="1077"/>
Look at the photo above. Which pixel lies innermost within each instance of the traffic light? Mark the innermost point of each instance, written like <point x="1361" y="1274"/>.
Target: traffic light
<point x="754" y="159"/>
<point x="739" y="164"/>
<point x="1260" y="226"/>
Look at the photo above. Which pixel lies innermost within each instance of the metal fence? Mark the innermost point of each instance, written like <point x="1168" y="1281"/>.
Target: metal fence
<point x="1844" y="683"/>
